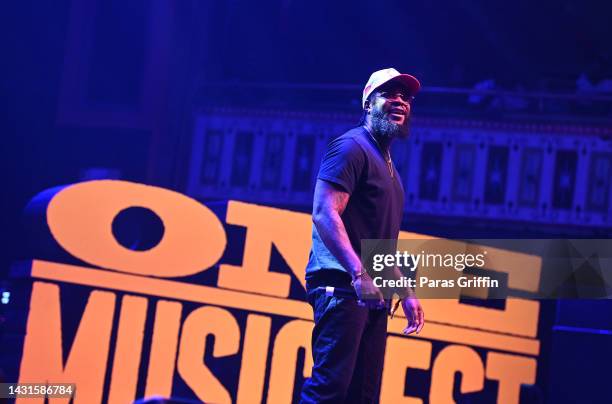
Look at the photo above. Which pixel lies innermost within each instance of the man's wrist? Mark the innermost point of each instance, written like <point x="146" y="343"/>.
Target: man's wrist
<point x="357" y="275"/>
<point x="404" y="292"/>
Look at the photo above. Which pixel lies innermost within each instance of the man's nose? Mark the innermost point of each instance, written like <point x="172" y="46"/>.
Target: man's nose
<point x="399" y="101"/>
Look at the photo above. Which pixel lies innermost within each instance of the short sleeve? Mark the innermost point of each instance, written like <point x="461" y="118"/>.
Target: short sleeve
<point x="343" y="163"/>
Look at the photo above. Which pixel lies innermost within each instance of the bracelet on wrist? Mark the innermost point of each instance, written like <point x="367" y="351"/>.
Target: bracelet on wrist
<point x="357" y="276"/>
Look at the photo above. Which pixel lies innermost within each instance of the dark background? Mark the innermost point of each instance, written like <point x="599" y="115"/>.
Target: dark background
<point x="112" y="86"/>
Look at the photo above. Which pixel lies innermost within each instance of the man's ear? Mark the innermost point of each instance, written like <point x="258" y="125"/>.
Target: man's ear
<point x="367" y="106"/>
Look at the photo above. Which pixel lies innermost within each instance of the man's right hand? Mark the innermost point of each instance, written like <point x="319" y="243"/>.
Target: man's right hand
<point x="368" y="293"/>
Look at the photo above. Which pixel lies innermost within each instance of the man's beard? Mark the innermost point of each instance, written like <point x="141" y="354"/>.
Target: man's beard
<point x="382" y="126"/>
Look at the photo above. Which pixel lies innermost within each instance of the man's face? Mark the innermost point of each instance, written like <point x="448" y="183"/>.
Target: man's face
<point x="390" y="111"/>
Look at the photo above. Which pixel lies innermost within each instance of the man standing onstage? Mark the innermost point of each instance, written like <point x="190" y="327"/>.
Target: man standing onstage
<point x="358" y="195"/>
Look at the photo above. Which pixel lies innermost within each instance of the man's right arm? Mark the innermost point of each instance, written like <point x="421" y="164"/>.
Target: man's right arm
<point x="329" y="203"/>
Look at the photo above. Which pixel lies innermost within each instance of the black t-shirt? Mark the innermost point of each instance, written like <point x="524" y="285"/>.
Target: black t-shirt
<point x="354" y="163"/>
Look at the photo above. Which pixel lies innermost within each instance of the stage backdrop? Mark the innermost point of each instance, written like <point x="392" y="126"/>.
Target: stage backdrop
<point x="140" y="291"/>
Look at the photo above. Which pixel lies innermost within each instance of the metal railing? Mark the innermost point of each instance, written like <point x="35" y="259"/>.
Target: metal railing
<point x="587" y="108"/>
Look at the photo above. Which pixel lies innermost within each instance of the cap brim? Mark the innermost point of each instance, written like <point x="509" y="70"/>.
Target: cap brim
<point x="409" y="82"/>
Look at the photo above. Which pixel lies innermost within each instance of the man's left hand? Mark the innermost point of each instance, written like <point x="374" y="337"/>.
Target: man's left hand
<point x="414" y="314"/>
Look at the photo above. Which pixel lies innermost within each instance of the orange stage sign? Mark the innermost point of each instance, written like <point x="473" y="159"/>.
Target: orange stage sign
<point x="138" y="296"/>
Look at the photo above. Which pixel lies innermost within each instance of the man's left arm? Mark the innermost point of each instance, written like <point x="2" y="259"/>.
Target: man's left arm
<point x="410" y="304"/>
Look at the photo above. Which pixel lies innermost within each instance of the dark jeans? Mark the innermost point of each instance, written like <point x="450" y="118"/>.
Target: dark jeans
<point x="348" y="345"/>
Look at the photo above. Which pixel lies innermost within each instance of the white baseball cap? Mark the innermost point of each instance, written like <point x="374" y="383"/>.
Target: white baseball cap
<point x="380" y="77"/>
